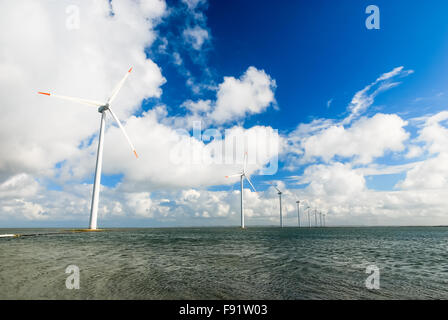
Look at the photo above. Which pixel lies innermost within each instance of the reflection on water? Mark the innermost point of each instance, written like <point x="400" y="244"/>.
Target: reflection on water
<point x="227" y="263"/>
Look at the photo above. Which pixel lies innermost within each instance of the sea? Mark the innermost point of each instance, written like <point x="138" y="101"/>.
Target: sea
<point x="320" y="263"/>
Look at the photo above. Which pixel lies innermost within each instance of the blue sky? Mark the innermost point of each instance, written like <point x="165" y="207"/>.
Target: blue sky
<point x="360" y="113"/>
<point x="321" y="50"/>
<point x="319" y="54"/>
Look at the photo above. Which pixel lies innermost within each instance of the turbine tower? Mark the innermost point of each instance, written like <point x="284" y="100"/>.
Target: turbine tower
<point x="280" y="198"/>
<point x="315" y="217"/>
<point x="298" y="212"/>
<point x="243" y="176"/>
<point x="102" y="108"/>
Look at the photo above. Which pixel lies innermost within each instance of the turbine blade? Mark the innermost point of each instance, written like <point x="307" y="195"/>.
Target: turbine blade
<point x="118" y="87"/>
<point x="79" y="100"/>
<point x="250" y="183"/>
<point x="275" y="187"/>
<point x="234" y="175"/>
<point x="124" y="132"/>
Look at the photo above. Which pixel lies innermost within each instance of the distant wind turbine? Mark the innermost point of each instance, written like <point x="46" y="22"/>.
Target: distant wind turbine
<point x="309" y="219"/>
<point x="243" y="176"/>
<point x="315" y="217"/>
<point x="298" y="212"/>
<point x="102" y="108"/>
<point x="280" y="198"/>
<point x="320" y="212"/>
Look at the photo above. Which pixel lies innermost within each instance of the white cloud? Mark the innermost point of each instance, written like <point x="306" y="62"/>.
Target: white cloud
<point x="177" y="59"/>
<point x="429" y="174"/>
<point x="364" y="98"/>
<point x="19" y="186"/>
<point x="196" y="36"/>
<point x="251" y="94"/>
<point x="336" y="179"/>
<point x="201" y="106"/>
<point x="382" y="169"/>
<point x="434" y="134"/>
<point x="193" y="4"/>
<point x="414" y="152"/>
<point x="364" y="140"/>
<point x="140" y="203"/>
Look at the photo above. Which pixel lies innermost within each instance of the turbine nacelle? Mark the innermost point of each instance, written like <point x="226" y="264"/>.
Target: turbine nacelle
<point x="103" y="108"/>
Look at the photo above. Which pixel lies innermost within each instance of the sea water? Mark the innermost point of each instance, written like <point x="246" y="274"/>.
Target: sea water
<point x="227" y="263"/>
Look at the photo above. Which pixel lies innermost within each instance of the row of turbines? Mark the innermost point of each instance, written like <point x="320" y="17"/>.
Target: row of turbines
<point x="243" y="175"/>
<point x="317" y="212"/>
<point x="321" y="215"/>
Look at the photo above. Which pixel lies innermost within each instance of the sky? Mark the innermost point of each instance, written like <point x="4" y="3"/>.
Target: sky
<point x="349" y="120"/>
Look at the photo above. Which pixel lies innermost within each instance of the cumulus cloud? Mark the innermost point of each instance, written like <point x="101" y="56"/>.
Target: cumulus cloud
<point x="434" y="133"/>
<point x="431" y="173"/>
<point x="236" y="99"/>
<point x="336" y="179"/>
<point x="364" y="140"/>
<point x="251" y="94"/>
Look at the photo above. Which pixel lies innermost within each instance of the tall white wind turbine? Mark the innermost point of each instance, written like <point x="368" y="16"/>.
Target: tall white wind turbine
<point x="102" y="108"/>
<point x="243" y="176"/>
<point x="280" y="198"/>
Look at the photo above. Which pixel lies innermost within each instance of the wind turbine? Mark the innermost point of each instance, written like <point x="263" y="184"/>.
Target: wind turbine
<point x="298" y="212"/>
<point x="309" y="219"/>
<point x="320" y="212"/>
<point x="102" y="108"/>
<point x="243" y="176"/>
<point x="315" y="217"/>
<point x="280" y="198"/>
